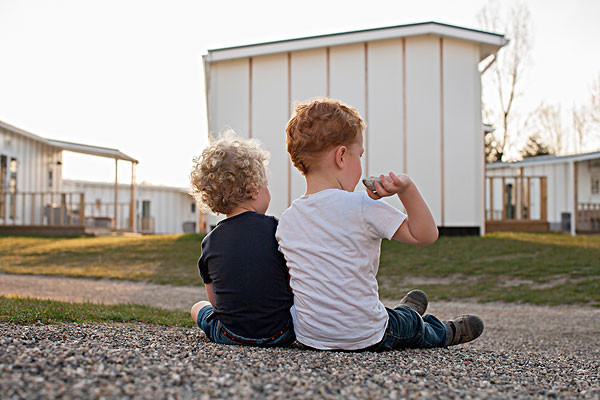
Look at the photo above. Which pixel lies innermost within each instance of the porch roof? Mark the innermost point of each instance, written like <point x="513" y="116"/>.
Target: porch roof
<point x="93" y="150"/>
<point x="69" y="146"/>
<point x="540" y="160"/>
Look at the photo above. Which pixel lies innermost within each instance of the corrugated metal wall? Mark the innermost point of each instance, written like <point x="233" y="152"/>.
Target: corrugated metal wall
<point x="420" y="96"/>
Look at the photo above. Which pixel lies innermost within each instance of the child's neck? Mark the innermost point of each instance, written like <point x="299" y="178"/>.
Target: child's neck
<point x="322" y="180"/>
<point x="241" y="208"/>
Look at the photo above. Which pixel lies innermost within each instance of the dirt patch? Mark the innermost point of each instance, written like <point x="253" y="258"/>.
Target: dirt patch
<point x="540" y="285"/>
<point x="505" y="257"/>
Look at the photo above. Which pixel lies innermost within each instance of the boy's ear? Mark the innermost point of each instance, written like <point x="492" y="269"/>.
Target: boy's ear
<point x="340" y="155"/>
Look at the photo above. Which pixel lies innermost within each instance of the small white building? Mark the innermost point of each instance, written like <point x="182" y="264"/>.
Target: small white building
<point x="32" y="199"/>
<point x="417" y="86"/>
<point x="158" y="209"/>
<point x="557" y="193"/>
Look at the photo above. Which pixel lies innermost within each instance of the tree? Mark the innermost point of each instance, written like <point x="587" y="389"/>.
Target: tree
<point x="500" y="85"/>
<point x="595" y="101"/>
<point x="586" y="118"/>
<point x="535" y="146"/>
<point x="546" y="123"/>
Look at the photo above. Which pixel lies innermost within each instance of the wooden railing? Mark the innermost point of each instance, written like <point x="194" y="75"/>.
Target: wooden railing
<point x="588" y="217"/>
<point x="42" y="208"/>
<point x="102" y="215"/>
<point x="145" y="225"/>
<point x="521" y="198"/>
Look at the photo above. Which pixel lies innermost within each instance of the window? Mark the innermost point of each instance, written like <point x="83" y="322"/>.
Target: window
<point x="193" y="208"/>
<point x="12" y="187"/>
<point x="145" y="208"/>
<point x="595" y="184"/>
<point x="50" y="178"/>
<point x="3" y="171"/>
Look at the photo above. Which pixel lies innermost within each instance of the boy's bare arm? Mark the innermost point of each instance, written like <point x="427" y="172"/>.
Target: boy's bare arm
<point x="210" y="293"/>
<point x="419" y="227"/>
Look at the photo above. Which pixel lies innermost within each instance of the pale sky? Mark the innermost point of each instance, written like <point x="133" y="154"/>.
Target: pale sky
<point x="128" y="74"/>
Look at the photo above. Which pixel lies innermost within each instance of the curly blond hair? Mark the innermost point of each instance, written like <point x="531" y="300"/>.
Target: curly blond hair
<point x="229" y="171"/>
<point x="316" y="126"/>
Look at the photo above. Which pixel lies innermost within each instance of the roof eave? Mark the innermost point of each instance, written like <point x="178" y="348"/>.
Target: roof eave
<point x="22" y="132"/>
<point x="489" y="42"/>
<point x="91" y="150"/>
<point x="545" y="160"/>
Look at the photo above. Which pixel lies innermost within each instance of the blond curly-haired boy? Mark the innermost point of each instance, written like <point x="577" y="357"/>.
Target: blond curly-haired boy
<point x="244" y="273"/>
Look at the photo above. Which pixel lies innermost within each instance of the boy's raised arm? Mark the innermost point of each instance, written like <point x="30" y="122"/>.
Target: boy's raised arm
<point x="419" y="227"/>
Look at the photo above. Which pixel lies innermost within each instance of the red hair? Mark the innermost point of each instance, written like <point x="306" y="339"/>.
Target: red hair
<point x="318" y="125"/>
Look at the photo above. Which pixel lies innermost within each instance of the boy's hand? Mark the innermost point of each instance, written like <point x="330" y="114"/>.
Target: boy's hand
<point x="390" y="185"/>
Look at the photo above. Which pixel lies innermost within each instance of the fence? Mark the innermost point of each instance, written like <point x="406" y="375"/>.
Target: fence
<point x="38" y="208"/>
<point x="66" y="209"/>
<point x="102" y="215"/>
<point x="588" y="217"/>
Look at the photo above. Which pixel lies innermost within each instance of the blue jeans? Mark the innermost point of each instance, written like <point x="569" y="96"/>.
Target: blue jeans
<point x="218" y="333"/>
<point x="407" y="329"/>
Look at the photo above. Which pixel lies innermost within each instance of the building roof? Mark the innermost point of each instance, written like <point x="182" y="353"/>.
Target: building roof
<point x="74" y="147"/>
<point x="93" y="150"/>
<point x="540" y="160"/>
<point x="489" y="42"/>
<point x="142" y="185"/>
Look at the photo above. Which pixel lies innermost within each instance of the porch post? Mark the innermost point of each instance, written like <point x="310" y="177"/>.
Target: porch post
<point x="575" y="200"/>
<point x="116" y="192"/>
<point x="132" y="200"/>
<point x="573" y="195"/>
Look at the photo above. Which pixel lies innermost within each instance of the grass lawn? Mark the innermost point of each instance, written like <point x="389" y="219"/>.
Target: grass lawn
<point x="18" y="310"/>
<point x="534" y="268"/>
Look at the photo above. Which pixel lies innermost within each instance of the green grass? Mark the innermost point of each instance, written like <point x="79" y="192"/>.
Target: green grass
<point x="161" y="259"/>
<point x="524" y="267"/>
<point x="19" y="310"/>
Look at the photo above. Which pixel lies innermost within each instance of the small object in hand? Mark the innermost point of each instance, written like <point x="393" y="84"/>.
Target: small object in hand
<point x="370" y="183"/>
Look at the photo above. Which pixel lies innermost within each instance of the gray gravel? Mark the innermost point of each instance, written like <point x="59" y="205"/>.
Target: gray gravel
<point x="525" y="352"/>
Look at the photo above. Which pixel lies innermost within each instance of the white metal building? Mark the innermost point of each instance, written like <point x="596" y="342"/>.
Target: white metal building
<point x="417" y="86"/>
<point x="31" y="192"/>
<point x="158" y="209"/>
<point x="567" y="187"/>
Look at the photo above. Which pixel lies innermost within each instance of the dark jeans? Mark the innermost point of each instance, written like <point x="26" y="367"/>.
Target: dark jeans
<point x="407" y="329"/>
<point x="218" y="333"/>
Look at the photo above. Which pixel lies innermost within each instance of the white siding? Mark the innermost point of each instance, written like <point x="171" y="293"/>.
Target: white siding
<point x="347" y="79"/>
<point x="170" y="207"/>
<point x="308" y="79"/>
<point x="229" y="96"/>
<point x="423" y="136"/>
<point x="442" y="153"/>
<point x="269" y="116"/>
<point x="463" y="140"/>
<point x="34" y="160"/>
<point x="559" y="186"/>
<point x="384" y="141"/>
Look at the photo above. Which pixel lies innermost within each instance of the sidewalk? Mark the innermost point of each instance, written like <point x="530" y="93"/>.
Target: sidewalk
<point x="104" y="291"/>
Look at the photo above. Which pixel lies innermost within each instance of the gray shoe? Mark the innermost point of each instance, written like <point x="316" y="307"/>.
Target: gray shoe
<point x="416" y="300"/>
<point x="463" y="329"/>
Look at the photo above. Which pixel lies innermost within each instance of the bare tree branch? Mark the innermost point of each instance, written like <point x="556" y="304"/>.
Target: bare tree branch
<point x="507" y="71"/>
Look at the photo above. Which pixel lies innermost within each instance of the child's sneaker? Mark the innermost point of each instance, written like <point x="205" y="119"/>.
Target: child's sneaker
<point x="416" y="300"/>
<point x="463" y="329"/>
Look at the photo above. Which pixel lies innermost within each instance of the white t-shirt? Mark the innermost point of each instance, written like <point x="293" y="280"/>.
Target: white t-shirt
<point x="331" y="241"/>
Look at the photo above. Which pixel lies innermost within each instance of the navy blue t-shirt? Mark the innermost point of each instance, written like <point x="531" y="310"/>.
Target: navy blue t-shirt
<point x="249" y="276"/>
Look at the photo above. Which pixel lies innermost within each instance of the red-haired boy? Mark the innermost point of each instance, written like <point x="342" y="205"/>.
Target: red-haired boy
<point x="331" y="239"/>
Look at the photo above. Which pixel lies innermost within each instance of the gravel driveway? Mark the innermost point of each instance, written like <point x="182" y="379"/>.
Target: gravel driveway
<point x="525" y="352"/>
